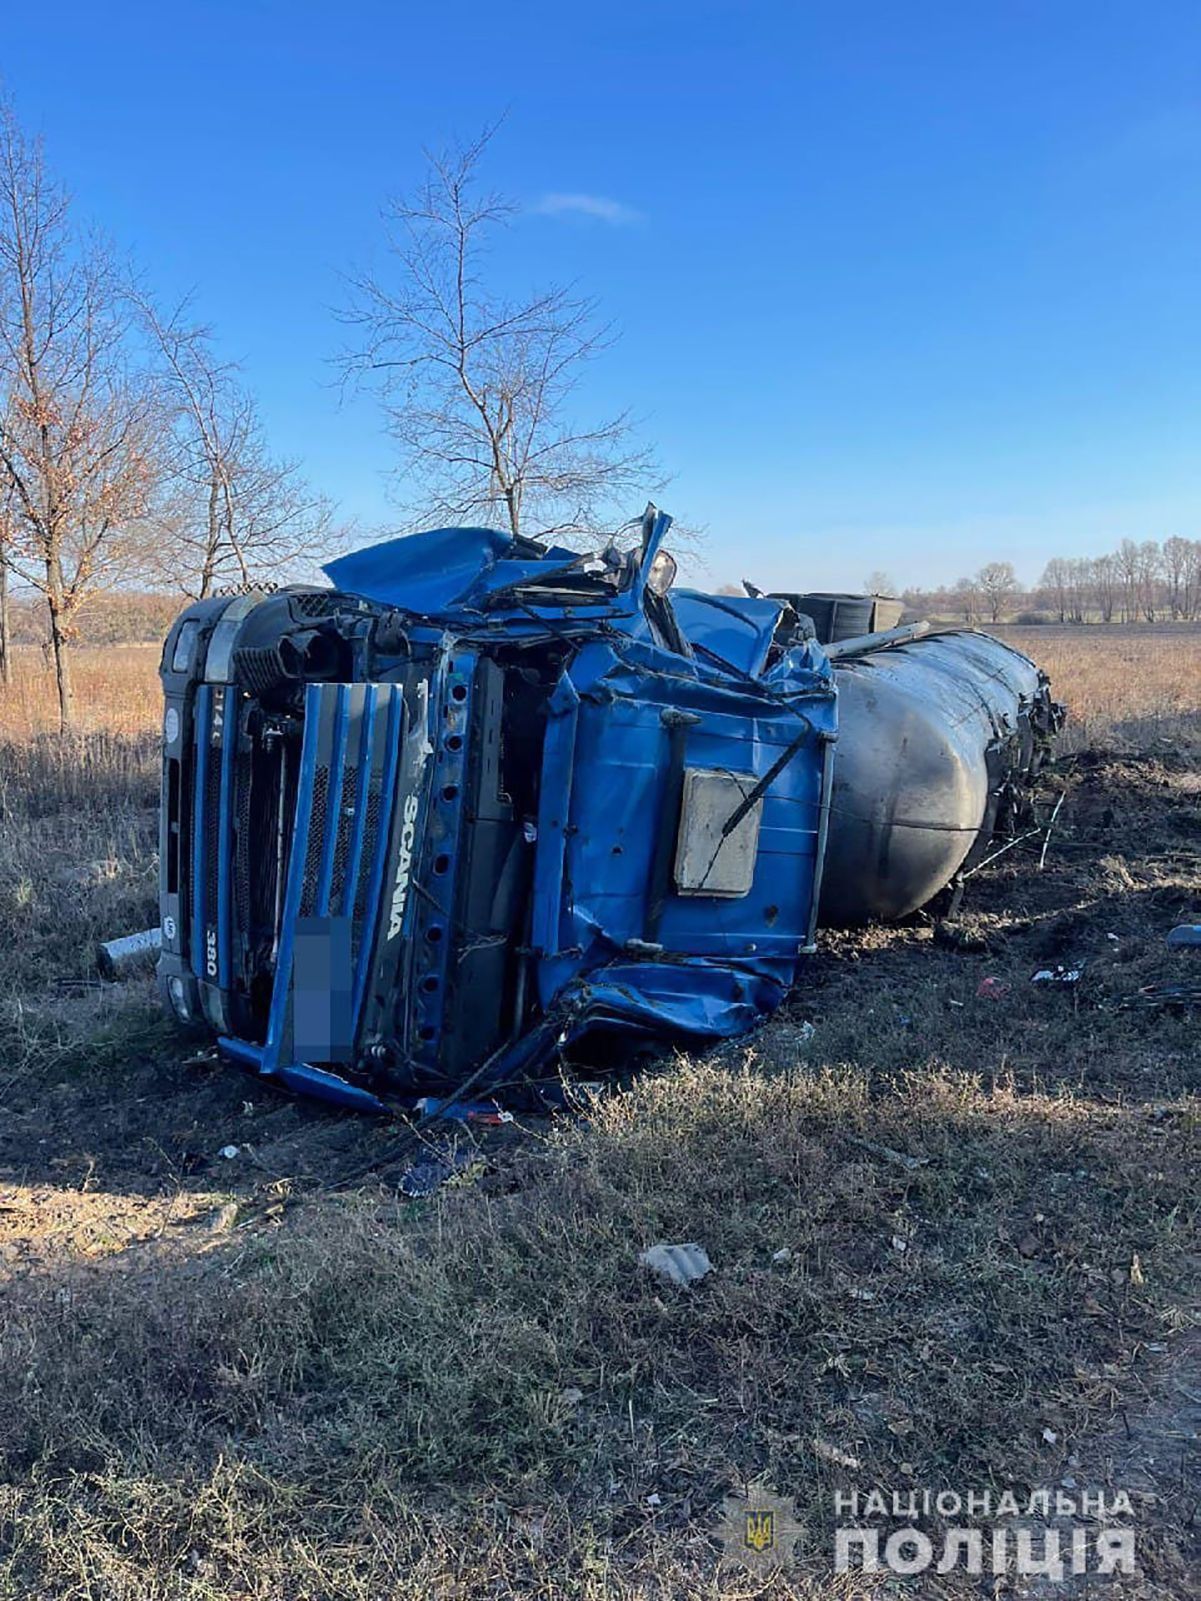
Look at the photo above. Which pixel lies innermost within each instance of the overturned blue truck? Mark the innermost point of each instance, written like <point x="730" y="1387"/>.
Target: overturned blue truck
<point x="486" y="800"/>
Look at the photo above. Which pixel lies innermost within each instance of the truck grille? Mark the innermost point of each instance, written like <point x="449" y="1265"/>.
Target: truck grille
<point x="334" y="798"/>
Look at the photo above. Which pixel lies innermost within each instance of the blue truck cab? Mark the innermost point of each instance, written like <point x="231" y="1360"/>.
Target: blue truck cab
<point x="479" y="801"/>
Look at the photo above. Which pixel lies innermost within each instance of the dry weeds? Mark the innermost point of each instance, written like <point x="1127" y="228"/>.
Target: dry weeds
<point x="116" y="692"/>
<point x="1126" y="688"/>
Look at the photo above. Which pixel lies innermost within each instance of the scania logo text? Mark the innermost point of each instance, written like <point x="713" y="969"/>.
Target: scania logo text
<point x="400" y="892"/>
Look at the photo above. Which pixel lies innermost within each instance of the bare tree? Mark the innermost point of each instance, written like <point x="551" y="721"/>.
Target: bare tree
<point x="6" y="664"/>
<point x="996" y="581"/>
<point x="1056" y="582"/>
<point x="1149" y="570"/>
<point x="1190" y="594"/>
<point x="478" y="388"/>
<point x="230" y="512"/>
<point x="1126" y="560"/>
<point x="966" y="597"/>
<point x="879" y="582"/>
<point x="1103" y="583"/>
<point x="76" y="446"/>
<point x="1177" y="563"/>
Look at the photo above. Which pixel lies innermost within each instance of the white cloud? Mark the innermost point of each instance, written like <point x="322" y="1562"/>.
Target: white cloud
<point x="598" y="207"/>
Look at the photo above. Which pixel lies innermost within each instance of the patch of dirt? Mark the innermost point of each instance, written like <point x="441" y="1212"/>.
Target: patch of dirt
<point x="1119" y="872"/>
<point x="1153" y="1454"/>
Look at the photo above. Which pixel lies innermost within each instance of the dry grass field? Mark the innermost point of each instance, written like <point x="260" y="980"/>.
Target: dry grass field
<point x="1123" y="687"/>
<point x="954" y="1236"/>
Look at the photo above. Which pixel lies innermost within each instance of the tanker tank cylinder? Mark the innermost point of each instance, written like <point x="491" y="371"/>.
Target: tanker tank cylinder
<point x="940" y="737"/>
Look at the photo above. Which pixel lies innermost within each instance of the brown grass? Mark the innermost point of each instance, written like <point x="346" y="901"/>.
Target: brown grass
<point x="223" y="1379"/>
<point x="116" y="692"/>
<point x="490" y="1386"/>
<point x="1124" y="687"/>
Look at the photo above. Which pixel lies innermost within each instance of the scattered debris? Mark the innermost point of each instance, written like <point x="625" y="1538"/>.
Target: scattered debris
<point x="898" y="1158"/>
<point x="805" y="1032"/>
<point x="119" y="958"/>
<point x="205" y="1058"/>
<point x="224" y="1218"/>
<point x="831" y="1453"/>
<point x="680" y="1264"/>
<point x="1185" y="936"/>
<point x="229" y="1152"/>
<point x="422" y="1178"/>
<point x="1058" y="975"/>
<point x="482" y="1112"/>
<point x="1166" y="995"/>
<point x="784" y="1254"/>
<point x="992" y="988"/>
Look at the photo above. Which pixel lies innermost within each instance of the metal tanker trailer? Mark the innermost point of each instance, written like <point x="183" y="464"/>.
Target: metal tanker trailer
<point x="940" y="738"/>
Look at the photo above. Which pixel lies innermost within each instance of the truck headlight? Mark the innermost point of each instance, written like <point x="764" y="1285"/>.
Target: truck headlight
<point x="179" y="999"/>
<point x="185" y="647"/>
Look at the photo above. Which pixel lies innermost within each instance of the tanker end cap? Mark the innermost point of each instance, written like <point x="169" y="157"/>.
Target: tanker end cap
<point x="923" y="781"/>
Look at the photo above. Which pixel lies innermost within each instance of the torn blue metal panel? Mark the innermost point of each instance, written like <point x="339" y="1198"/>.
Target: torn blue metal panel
<point x="423" y="573"/>
<point x="631" y="715"/>
<point x="481" y="579"/>
<point x="447" y="569"/>
<point x="734" y="632"/>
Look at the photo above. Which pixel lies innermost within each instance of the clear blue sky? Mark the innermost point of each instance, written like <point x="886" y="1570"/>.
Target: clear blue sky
<point x="901" y="285"/>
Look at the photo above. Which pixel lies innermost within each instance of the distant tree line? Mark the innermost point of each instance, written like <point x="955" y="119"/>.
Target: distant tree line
<point x="987" y="595"/>
<point x="1141" y="581"/>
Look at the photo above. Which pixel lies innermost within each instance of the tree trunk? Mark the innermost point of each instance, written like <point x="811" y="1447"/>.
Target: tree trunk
<point x="212" y="542"/>
<point x="55" y="601"/>
<point x="6" y="664"/>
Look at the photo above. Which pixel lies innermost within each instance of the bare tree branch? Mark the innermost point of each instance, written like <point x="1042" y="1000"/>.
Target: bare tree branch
<point x="231" y="512"/>
<point x="479" y="389"/>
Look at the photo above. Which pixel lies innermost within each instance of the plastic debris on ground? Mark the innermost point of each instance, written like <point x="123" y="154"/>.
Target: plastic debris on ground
<point x="992" y="988"/>
<point x="1185" y="936"/>
<point x="679" y="1264"/>
<point x="1058" y="975"/>
<point x="422" y="1178"/>
<point x="484" y="1113"/>
<point x="228" y="1152"/>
